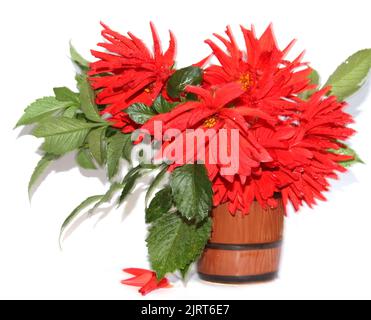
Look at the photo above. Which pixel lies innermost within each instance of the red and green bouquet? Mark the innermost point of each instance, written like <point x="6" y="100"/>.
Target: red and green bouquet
<point x="243" y="125"/>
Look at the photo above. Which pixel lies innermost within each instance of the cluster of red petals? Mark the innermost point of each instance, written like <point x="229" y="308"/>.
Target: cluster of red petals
<point x="129" y="73"/>
<point x="301" y="161"/>
<point x="270" y="81"/>
<point x="284" y="141"/>
<point x="146" y="280"/>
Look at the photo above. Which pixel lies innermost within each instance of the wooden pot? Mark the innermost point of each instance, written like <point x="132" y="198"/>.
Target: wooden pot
<point x="243" y="249"/>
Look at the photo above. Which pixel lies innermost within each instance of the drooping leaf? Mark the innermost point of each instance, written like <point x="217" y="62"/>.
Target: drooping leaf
<point x="118" y="147"/>
<point x="86" y="203"/>
<point x="129" y="182"/>
<point x="41" y="109"/>
<point x="350" y="76"/>
<point x="82" y="63"/>
<point x="40" y="169"/>
<point x="347" y="151"/>
<point x="155" y="183"/>
<point x="182" y="78"/>
<point x="108" y="196"/>
<point x="85" y="160"/>
<point x="96" y="142"/>
<point x="64" y="94"/>
<point x="314" y="80"/>
<point x="87" y="99"/>
<point x="192" y="191"/>
<point x="160" y="205"/>
<point x="140" y="113"/>
<point x="173" y="243"/>
<point x="161" y="105"/>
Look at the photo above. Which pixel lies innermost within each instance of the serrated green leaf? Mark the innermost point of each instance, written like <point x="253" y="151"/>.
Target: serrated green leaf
<point x="350" y="76"/>
<point x="85" y="160"/>
<point x="174" y="243"/>
<point x="82" y="63"/>
<point x="154" y="184"/>
<point x="140" y="113"/>
<point x="89" y="201"/>
<point x="64" y="94"/>
<point x="96" y="143"/>
<point x="160" y="205"/>
<point x="129" y="182"/>
<point x="62" y="125"/>
<point x="314" y="80"/>
<point x="118" y="147"/>
<point x="41" y="109"/>
<point x="87" y="99"/>
<point x="161" y="105"/>
<point x="183" y="78"/>
<point x="192" y="191"/>
<point x="347" y="151"/>
<point x="63" y="143"/>
<point x="42" y="165"/>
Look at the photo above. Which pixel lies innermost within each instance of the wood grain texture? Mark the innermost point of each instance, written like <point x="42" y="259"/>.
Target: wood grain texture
<point x="239" y="263"/>
<point x="232" y="235"/>
<point x="259" y="226"/>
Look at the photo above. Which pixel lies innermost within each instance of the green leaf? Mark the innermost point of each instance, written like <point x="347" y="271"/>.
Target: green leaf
<point x="173" y="243"/>
<point x="78" y="59"/>
<point x="192" y="191"/>
<point x="62" y="125"/>
<point x="160" y="205"/>
<point x="118" y="147"/>
<point x="71" y="112"/>
<point x="161" y="105"/>
<point x="155" y="183"/>
<point x="347" y="151"/>
<point x="185" y="270"/>
<point x="140" y="113"/>
<point x="40" y="169"/>
<point x="182" y="78"/>
<point x="89" y="201"/>
<point x="96" y="143"/>
<point x="109" y="195"/>
<point x="85" y="160"/>
<point x="128" y="148"/>
<point x="129" y="182"/>
<point x="314" y="80"/>
<point x="350" y="76"/>
<point x="64" y="94"/>
<point x="63" y="134"/>
<point x="64" y="143"/>
<point x="87" y="99"/>
<point x="41" y="109"/>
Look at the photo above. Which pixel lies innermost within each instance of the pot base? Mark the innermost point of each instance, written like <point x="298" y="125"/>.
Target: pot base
<point x="238" y="279"/>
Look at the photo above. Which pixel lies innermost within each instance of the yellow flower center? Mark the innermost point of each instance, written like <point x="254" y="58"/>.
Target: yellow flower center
<point x="246" y="81"/>
<point x="147" y="90"/>
<point x="211" y="122"/>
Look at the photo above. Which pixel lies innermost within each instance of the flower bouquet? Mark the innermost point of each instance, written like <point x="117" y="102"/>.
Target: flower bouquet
<point x="230" y="142"/>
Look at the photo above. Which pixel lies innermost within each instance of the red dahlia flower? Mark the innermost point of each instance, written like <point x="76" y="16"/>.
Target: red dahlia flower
<point x="129" y="73"/>
<point x="214" y="111"/>
<point x="302" y="162"/>
<point x="270" y="82"/>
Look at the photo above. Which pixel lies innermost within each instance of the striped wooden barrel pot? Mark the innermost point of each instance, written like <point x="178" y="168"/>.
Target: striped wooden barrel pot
<point x="243" y="249"/>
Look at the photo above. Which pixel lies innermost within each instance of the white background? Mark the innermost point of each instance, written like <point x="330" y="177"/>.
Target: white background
<point x="327" y="250"/>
